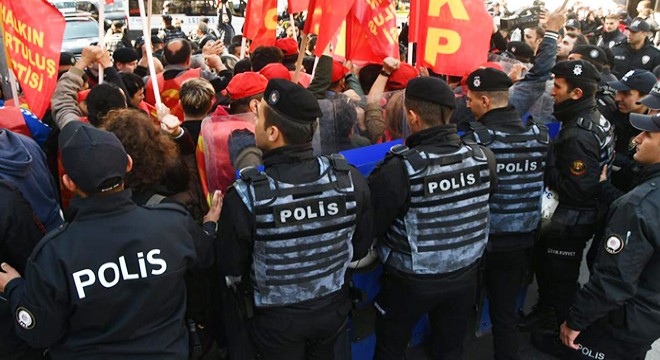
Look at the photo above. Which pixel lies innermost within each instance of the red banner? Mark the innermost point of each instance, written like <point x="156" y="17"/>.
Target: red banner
<point x="33" y="48"/>
<point x="413" y="21"/>
<point x="324" y="18"/>
<point x="261" y="23"/>
<point x="453" y="35"/>
<point x="371" y="32"/>
<point x="296" y="6"/>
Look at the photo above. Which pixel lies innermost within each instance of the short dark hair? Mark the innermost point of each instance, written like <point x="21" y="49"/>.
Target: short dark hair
<point x="264" y="55"/>
<point x="368" y="75"/>
<point x="431" y="114"/>
<point x="580" y="39"/>
<point x="243" y="65"/>
<point x="588" y="88"/>
<point x="180" y="56"/>
<point x="132" y="82"/>
<point x="293" y="133"/>
<point x="540" y="33"/>
<point x="101" y="99"/>
<point x="243" y="105"/>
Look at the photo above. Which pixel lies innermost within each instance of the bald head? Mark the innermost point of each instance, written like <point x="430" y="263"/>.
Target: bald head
<point x="177" y="52"/>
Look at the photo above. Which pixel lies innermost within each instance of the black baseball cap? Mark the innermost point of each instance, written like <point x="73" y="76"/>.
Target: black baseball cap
<point x="573" y="24"/>
<point x="430" y="89"/>
<point x="649" y="123"/>
<point x="292" y="101"/>
<point x="638" y="24"/>
<point x="652" y="100"/>
<point x="488" y="79"/>
<point x="93" y="158"/>
<point x="638" y="79"/>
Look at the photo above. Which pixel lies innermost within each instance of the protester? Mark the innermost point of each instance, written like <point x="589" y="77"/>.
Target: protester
<point x="126" y="59"/>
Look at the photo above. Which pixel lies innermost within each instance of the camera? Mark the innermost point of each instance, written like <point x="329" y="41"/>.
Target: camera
<point x="524" y="18"/>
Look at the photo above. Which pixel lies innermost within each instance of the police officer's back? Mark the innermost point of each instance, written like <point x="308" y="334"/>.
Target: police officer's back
<point x="515" y="207"/>
<point x="616" y="315"/>
<point x="109" y="282"/>
<point x="293" y="229"/>
<point x="432" y="225"/>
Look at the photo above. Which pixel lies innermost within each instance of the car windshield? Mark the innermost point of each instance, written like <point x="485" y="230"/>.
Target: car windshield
<point x="118" y="5"/>
<point x="81" y="29"/>
<point x="65" y="4"/>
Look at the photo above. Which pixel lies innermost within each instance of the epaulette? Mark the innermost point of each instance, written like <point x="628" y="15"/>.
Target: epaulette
<point x="51" y="235"/>
<point x="168" y="206"/>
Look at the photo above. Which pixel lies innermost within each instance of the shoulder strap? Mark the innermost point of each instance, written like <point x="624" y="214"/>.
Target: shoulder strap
<point x="478" y="153"/>
<point x="411" y="155"/>
<point x="595" y="128"/>
<point x="259" y="181"/>
<point x="155" y="199"/>
<point x="342" y="170"/>
<point x="542" y="132"/>
<point x="482" y="134"/>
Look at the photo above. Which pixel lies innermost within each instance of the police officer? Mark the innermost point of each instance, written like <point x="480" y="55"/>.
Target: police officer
<point x="584" y="146"/>
<point x="293" y="230"/>
<point x="432" y="225"/>
<point x="108" y="284"/>
<point x="515" y="207"/>
<point x="637" y="52"/>
<point x="616" y="315"/>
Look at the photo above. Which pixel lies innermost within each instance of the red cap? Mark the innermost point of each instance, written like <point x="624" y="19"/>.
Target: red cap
<point x="288" y="46"/>
<point x="275" y="71"/>
<point x="82" y="95"/>
<point x="245" y="84"/>
<point x="400" y="77"/>
<point x="338" y="71"/>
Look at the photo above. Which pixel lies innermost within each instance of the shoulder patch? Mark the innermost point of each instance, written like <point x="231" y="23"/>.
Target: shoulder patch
<point x="578" y="168"/>
<point x="25" y="319"/>
<point x="614" y="244"/>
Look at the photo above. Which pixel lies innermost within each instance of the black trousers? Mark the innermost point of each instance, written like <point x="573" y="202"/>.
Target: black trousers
<point x="400" y="304"/>
<point x="503" y="276"/>
<point x="295" y="335"/>
<point x="562" y="249"/>
<point x="597" y="342"/>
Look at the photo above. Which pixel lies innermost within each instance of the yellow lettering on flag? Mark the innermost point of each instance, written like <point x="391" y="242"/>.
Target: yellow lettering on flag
<point x="456" y="8"/>
<point x="434" y="47"/>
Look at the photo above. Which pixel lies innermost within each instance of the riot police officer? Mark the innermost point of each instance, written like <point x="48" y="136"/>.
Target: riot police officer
<point x="515" y="207"/>
<point x="584" y="146"/>
<point x="616" y="315"/>
<point x="293" y="229"/>
<point x="432" y="225"/>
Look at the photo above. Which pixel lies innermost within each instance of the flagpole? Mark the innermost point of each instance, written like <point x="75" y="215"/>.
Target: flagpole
<point x="150" y="57"/>
<point x="150" y="13"/>
<point x="316" y="63"/>
<point x="301" y="55"/>
<point x="101" y="35"/>
<point x="410" y="53"/>
<point x="14" y="88"/>
<point x="243" y="45"/>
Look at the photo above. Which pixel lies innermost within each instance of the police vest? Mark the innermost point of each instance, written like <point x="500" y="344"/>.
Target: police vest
<point x="515" y="207"/>
<point x="169" y="90"/>
<point x="303" y="233"/>
<point x="603" y="131"/>
<point x="446" y="226"/>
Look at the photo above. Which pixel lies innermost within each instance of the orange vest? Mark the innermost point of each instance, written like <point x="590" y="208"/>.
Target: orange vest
<point x="169" y="90"/>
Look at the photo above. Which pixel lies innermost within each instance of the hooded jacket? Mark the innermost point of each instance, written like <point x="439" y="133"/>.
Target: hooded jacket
<point x="23" y="163"/>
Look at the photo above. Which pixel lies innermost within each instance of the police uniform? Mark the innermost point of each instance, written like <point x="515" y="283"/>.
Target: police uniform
<point x="626" y="58"/>
<point x="432" y="227"/>
<point x="584" y="145"/>
<point x="108" y="284"/>
<point x="292" y="230"/>
<point x="617" y="311"/>
<point x="515" y="207"/>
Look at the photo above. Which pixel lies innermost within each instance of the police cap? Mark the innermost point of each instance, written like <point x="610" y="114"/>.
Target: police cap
<point x="581" y="70"/>
<point x="573" y="24"/>
<point x="638" y="79"/>
<point x="638" y="24"/>
<point x="592" y="52"/>
<point x="650" y="123"/>
<point x="67" y="58"/>
<point x="652" y="100"/>
<point x="94" y="159"/>
<point x="430" y="89"/>
<point x="488" y="79"/>
<point x="292" y="101"/>
<point x="520" y="50"/>
<point x="125" y="55"/>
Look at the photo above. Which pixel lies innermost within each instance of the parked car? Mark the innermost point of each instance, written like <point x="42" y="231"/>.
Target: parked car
<point x="66" y="7"/>
<point x="80" y="31"/>
<point x="116" y="11"/>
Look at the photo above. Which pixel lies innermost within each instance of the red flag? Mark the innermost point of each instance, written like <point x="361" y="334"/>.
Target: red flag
<point x="109" y="2"/>
<point x="413" y="21"/>
<point x="324" y="18"/>
<point x="453" y="35"/>
<point x="261" y="23"/>
<point x="33" y="48"/>
<point x="371" y="32"/>
<point x="296" y="6"/>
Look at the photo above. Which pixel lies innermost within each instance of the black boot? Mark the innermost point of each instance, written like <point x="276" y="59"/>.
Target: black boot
<point x="549" y="343"/>
<point x="542" y="317"/>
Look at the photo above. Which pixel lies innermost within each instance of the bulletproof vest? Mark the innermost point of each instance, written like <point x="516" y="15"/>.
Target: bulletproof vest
<point x="515" y="207"/>
<point x="303" y="233"/>
<point x="446" y="226"/>
<point x="604" y="134"/>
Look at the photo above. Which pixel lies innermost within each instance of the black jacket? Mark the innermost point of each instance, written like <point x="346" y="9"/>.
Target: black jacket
<point x="20" y="231"/>
<point x="573" y="166"/>
<point x="109" y="282"/>
<point x="626" y="58"/>
<point x="610" y="39"/>
<point x="624" y="289"/>
<point x="390" y="189"/>
<point x="506" y="120"/>
<point x="294" y="164"/>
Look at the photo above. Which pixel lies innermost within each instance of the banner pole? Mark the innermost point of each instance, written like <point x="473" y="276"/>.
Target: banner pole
<point x="410" y="53"/>
<point x="150" y="57"/>
<point x="243" y="45"/>
<point x="150" y="13"/>
<point x="301" y="55"/>
<point x="101" y="35"/>
<point x="14" y="88"/>
<point x="316" y="62"/>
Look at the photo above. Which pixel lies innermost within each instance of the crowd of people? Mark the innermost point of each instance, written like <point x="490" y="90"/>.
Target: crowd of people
<point x="214" y="218"/>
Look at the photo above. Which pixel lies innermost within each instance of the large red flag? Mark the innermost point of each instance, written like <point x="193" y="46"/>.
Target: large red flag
<point x="261" y="23"/>
<point x="324" y="18"/>
<point x="296" y="6"/>
<point x="453" y="35"/>
<point x="33" y="48"/>
<point x="413" y="21"/>
<point x="371" y="32"/>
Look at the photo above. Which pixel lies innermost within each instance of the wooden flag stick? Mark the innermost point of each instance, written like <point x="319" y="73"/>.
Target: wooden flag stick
<point x="301" y="55"/>
<point x="146" y="32"/>
<point x="410" y="53"/>
<point x="14" y="88"/>
<point x="243" y="46"/>
<point x="150" y="13"/>
<point x="101" y="35"/>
